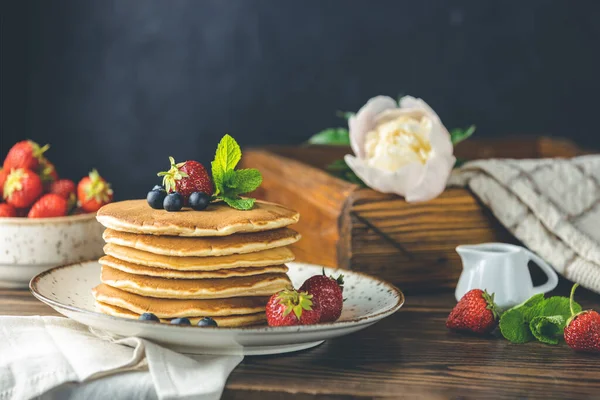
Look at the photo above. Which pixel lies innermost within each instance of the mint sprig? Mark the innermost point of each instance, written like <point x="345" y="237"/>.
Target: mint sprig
<point x="537" y="318"/>
<point x="229" y="182"/>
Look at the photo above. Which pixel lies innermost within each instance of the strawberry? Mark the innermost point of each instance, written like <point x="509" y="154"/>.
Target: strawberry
<point x="327" y="295"/>
<point x="6" y="210"/>
<point x="49" y="205"/>
<point x="186" y="178"/>
<point x="290" y="307"/>
<point x="26" y="154"/>
<point x="582" y="331"/>
<point x="63" y="187"/>
<point x="475" y="312"/>
<point x="93" y="192"/>
<point x="47" y="171"/>
<point x="22" y="188"/>
<point x="3" y="175"/>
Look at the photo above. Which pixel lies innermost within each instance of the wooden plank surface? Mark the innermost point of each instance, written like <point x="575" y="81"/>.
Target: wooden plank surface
<point x="408" y="355"/>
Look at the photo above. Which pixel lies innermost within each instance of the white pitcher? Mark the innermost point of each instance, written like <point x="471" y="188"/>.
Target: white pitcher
<point x="501" y="268"/>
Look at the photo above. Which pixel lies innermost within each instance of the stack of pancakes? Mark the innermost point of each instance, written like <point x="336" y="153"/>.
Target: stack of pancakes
<point x="220" y="263"/>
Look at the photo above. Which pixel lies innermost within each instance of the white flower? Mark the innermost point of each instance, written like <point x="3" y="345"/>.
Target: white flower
<point x="401" y="149"/>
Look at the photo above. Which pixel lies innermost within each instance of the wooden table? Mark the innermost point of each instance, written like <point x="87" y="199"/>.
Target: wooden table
<point x="408" y="355"/>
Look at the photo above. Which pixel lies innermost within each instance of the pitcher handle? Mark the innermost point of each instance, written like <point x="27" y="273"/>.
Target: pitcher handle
<point x="548" y="270"/>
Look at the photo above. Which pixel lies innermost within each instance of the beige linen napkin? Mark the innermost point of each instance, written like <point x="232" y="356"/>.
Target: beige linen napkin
<point x="44" y="356"/>
<point x="551" y="205"/>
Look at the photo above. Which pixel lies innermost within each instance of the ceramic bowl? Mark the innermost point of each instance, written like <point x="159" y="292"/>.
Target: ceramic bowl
<point x="30" y="246"/>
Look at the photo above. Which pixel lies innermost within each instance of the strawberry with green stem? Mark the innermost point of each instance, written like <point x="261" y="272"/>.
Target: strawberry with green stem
<point x="475" y="312"/>
<point x="93" y="192"/>
<point x="186" y="178"/>
<point x="25" y="154"/>
<point x="22" y="188"/>
<point x="582" y="331"/>
<point x="289" y="307"/>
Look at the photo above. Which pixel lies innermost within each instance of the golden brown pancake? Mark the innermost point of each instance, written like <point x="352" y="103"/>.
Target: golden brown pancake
<point x="131" y="268"/>
<point x="174" y="308"/>
<point x="256" y="285"/>
<point x="136" y="216"/>
<point x="242" y="243"/>
<point x="232" y="321"/>
<point x="264" y="258"/>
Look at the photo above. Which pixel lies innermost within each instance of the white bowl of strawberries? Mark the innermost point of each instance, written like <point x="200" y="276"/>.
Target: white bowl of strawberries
<point x="45" y="221"/>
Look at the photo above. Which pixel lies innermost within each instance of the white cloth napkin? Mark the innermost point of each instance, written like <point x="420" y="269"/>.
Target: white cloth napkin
<point x="57" y="358"/>
<point x="551" y="205"/>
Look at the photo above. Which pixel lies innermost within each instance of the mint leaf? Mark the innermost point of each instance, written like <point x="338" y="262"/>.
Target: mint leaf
<point x="458" y="135"/>
<point x="515" y="327"/>
<point x="548" y="329"/>
<point x="331" y="136"/>
<point x="514" y="323"/>
<point x="227" y="156"/>
<point x="247" y="180"/>
<point x="239" y="203"/>
<point x="556" y="305"/>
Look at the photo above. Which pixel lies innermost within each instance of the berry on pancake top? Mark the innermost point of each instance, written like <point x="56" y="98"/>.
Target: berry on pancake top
<point x="186" y="178"/>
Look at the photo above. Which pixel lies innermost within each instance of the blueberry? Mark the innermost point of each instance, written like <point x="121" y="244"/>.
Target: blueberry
<point x="173" y="202"/>
<point x="159" y="188"/>
<point x="156" y="198"/>
<point x="199" y="201"/>
<point x="149" y="317"/>
<point x="180" y="321"/>
<point x="207" y="321"/>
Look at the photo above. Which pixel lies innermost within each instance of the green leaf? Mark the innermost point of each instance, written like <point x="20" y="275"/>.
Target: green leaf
<point x="247" y="180"/>
<point x="458" y="135"/>
<point x="227" y="156"/>
<point x="515" y="327"/>
<point x="514" y="323"/>
<point x="556" y="305"/>
<point x="239" y="203"/>
<point x="331" y="136"/>
<point x="345" y="114"/>
<point x="548" y="329"/>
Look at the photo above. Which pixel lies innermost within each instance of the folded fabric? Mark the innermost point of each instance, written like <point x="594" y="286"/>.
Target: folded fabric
<point x="551" y="205"/>
<point x="57" y="358"/>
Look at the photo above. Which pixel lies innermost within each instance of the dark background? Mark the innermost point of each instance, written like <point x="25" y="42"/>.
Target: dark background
<point x="121" y="85"/>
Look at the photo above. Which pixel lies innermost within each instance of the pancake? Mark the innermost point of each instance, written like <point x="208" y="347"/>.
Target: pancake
<point x="264" y="258"/>
<point x="232" y="321"/>
<point x="257" y="285"/>
<point x="203" y="247"/>
<point x="173" y="308"/>
<point x="218" y="219"/>
<point x="131" y="268"/>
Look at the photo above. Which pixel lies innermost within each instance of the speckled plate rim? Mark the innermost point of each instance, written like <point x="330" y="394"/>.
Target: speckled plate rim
<point x="328" y="326"/>
<point x="50" y="220"/>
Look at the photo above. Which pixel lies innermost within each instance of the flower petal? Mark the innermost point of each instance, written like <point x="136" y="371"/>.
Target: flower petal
<point x="364" y="121"/>
<point x="398" y="182"/>
<point x="433" y="180"/>
<point x="412" y="102"/>
<point x="440" y="140"/>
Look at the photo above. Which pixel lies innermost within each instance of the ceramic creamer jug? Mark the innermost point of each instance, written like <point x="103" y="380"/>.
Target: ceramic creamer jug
<point x="501" y="268"/>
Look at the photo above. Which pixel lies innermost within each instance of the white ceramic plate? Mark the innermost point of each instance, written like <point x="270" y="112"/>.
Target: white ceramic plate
<point x="67" y="289"/>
